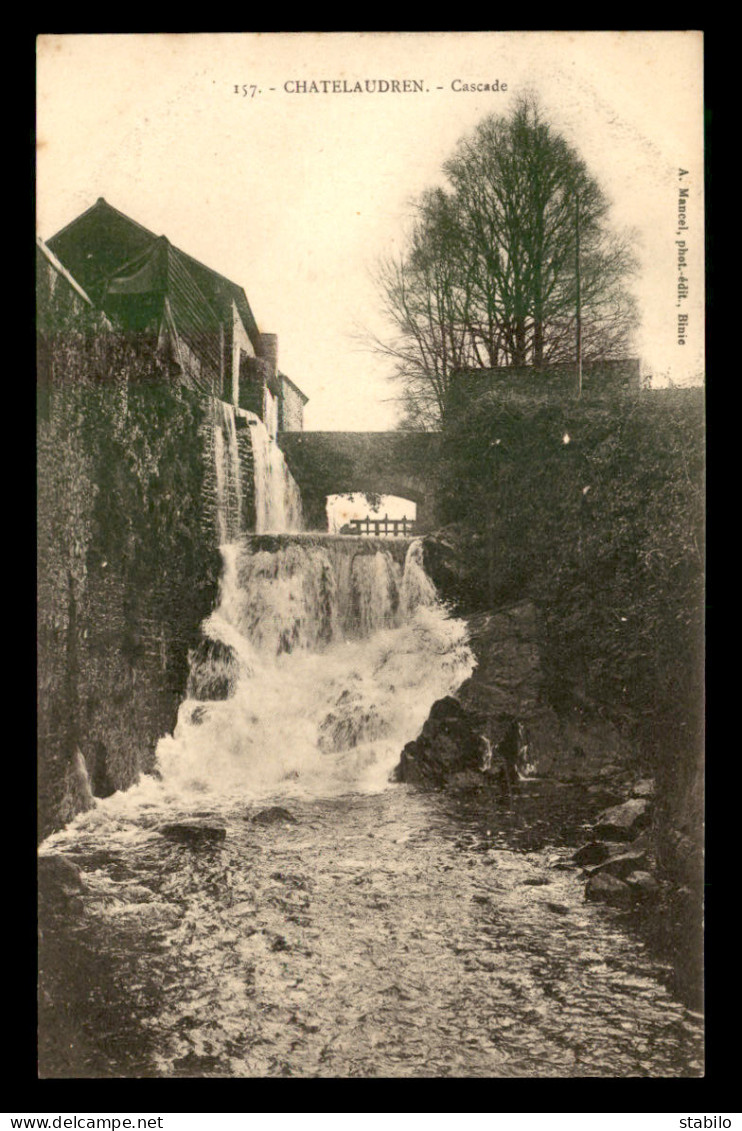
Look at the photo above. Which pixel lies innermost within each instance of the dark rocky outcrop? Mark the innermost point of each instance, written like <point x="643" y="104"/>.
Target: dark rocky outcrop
<point x="57" y="872"/>
<point x="450" y="743"/>
<point x="644" y="885"/>
<point x="593" y="853"/>
<point x="507" y="682"/>
<point x="620" y="864"/>
<point x="276" y="815"/>
<point x="623" y="822"/>
<point x="214" y="669"/>
<point x="193" y="833"/>
<point x="59" y="886"/>
<point x="608" y="889"/>
<point x="101" y="780"/>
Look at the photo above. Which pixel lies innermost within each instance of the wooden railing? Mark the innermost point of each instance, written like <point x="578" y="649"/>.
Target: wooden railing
<point x="382" y="527"/>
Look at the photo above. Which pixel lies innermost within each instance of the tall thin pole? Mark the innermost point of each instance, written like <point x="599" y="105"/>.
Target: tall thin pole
<point x="578" y="324"/>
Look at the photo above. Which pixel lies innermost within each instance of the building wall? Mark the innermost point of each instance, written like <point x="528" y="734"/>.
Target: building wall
<point x="252" y="378"/>
<point x="128" y="564"/>
<point x="240" y="344"/>
<point x="291" y="412"/>
<point x="128" y="535"/>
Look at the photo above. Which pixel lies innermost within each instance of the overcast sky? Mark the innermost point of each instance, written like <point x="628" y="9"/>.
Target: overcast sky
<point x="295" y="195"/>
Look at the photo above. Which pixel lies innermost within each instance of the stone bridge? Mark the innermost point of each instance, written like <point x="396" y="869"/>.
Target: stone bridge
<point x="385" y="463"/>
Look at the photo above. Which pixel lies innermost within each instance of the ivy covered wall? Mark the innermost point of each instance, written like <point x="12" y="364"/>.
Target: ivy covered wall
<point x="128" y="564"/>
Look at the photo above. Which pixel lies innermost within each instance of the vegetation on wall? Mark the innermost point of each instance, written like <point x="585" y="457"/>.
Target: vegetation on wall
<point x="594" y="509"/>
<point x="126" y="567"/>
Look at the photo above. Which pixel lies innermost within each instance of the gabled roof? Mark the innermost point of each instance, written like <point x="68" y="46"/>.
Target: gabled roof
<point x="61" y="269"/>
<point x="101" y="241"/>
<point x="98" y="242"/>
<point x="222" y="292"/>
<point x="160" y="272"/>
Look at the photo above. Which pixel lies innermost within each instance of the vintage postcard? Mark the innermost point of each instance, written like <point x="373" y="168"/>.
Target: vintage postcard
<point x="370" y="423"/>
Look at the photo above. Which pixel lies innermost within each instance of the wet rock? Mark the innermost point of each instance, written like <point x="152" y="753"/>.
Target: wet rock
<point x="620" y="864"/>
<point x="136" y="893"/>
<point x="193" y="833"/>
<point x="508" y="684"/>
<point x="214" y="671"/>
<point x="276" y="815"/>
<point x="608" y="889"/>
<point x="557" y="908"/>
<point x="447" y="562"/>
<point x="102" y="782"/>
<point x="450" y="743"/>
<point x="56" y="872"/>
<point x="593" y="853"/>
<point x="623" y="822"/>
<point x="643" y="884"/>
<point x="59" y="885"/>
<point x="536" y="881"/>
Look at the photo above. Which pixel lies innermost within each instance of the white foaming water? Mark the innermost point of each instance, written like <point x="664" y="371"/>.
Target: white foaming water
<point x="227" y="468"/>
<point x="329" y="682"/>
<point x="277" y="498"/>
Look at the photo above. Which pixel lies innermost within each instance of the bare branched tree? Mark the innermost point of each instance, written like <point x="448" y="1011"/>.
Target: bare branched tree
<point x="489" y="275"/>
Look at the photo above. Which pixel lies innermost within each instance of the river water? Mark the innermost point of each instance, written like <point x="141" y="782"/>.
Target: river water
<point x="373" y="935"/>
<point x="343" y="925"/>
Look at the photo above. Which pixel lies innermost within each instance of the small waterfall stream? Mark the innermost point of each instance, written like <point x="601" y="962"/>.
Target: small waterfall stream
<point x="227" y="469"/>
<point x="277" y="498"/>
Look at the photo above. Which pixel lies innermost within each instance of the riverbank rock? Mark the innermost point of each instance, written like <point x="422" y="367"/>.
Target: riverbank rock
<point x="59" y="885"/>
<point x="58" y="875"/>
<point x="193" y="833"/>
<point x="276" y="815"/>
<point x="509" y="682"/>
<point x="608" y="889"/>
<point x="593" y="853"/>
<point x="449" y="744"/>
<point x="643" y="885"/>
<point x="448" y="563"/>
<point x="620" y="864"/>
<point x="623" y="822"/>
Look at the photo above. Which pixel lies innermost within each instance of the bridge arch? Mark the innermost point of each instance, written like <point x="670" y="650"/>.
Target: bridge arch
<point x="382" y="463"/>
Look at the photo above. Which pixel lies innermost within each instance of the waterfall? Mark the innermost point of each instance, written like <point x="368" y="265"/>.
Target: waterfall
<point x="331" y="650"/>
<point x="320" y="661"/>
<point x="277" y="498"/>
<point x="228" y="474"/>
